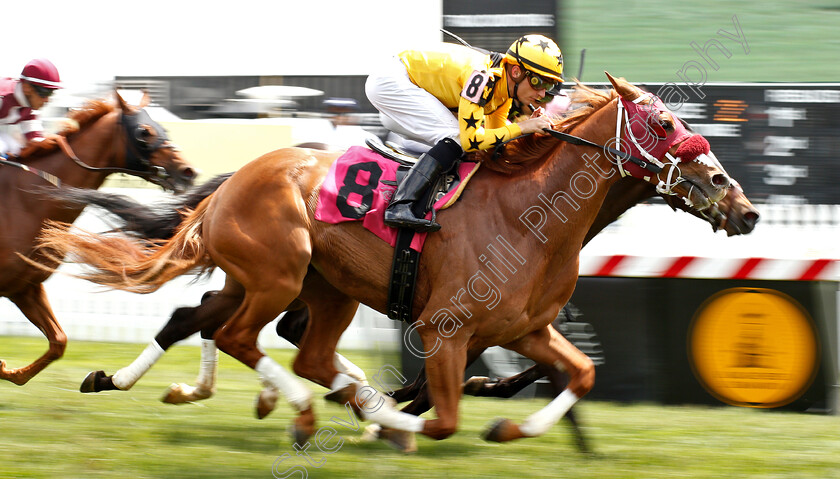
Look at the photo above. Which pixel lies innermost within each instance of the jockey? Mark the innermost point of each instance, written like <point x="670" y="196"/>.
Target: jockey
<point x="457" y="99"/>
<point x="19" y="100"/>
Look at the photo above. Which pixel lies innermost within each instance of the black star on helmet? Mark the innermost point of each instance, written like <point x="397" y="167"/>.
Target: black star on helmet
<point x="543" y="44"/>
<point x="472" y="121"/>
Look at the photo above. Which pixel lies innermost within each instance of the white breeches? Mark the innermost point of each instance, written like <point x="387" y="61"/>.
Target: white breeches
<point x="407" y="109"/>
<point x="9" y="145"/>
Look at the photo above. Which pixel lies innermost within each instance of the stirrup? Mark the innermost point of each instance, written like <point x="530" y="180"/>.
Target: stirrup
<point x="410" y="221"/>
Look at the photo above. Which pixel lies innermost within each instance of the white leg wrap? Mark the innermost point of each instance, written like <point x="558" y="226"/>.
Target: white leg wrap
<point x="539" y="422"/>
<point x="380" y="408"/>
<point x="127" y="376"/>
<point x="345" y="366"/>
<point x="273" y="375"/>
<point x="340" y="381"/>
<point x="209" y="360"/>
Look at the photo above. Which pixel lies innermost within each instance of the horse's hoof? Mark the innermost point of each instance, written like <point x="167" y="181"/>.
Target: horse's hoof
<point x="173" y="395"/>
<point x="346" y="395"/>
<point x="371" y="433"/>
<point x="12" y="375"/>
<point x="503" y="430"/>
<point x="475" y="384"/>
<point x="182" y="393"/>
<point x="91" y="381"/>
<point x="303" y="427"/>
<point x="266" y="402"/>
<point x="342" y="395"/>
<point x="403" y="441"/>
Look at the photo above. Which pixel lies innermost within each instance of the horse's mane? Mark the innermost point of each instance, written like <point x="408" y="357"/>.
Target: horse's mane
<point x="76" y="120"/>
<point x="523" y="150"/>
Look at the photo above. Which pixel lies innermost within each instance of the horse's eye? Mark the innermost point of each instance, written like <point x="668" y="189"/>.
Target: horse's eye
<point x="658" y="128"/>
<point x="143" y="134"/>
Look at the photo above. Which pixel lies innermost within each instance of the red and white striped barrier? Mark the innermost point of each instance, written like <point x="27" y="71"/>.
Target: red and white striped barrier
<point x="717" y="268"/>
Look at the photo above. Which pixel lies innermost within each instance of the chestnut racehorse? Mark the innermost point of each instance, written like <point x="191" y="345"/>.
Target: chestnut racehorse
<point x="259" y="228"/>
<point x="734" y="214"/>
<point x="104" y="137"/>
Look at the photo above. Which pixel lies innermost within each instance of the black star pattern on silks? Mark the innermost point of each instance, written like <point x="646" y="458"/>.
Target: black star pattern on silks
<point x="472" y="121"/>
<point x="474" y="144"/>
<point x="543" y="44"/>
<point x="498" y="142"/>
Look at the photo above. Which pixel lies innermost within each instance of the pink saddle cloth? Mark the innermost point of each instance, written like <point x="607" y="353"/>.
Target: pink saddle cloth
<point x="360" y="185"/>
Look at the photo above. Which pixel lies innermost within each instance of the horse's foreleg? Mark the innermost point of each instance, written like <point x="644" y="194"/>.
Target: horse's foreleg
<point x="33" y="303"/>
<point x="549" y="347"/>
<point x="444" y="371"/>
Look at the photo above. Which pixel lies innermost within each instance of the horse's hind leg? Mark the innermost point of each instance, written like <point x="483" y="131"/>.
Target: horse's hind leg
<point x="33" y="303"/>
<point x="330" y="314"/>
<point x="238" y="338"/>
<point x="291" y="327"/>
<point x="547" y="346"/>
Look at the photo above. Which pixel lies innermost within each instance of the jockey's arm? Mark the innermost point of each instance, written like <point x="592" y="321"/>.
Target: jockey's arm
<point x="480" y="131"/>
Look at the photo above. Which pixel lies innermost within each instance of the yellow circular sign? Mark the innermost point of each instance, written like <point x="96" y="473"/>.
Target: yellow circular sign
<point x="753" y="347"/>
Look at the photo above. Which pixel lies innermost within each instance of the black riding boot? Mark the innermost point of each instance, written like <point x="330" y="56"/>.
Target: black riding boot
<point x="439" y="159"/>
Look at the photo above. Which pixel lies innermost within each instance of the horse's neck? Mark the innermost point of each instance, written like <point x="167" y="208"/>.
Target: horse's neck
<point x="575" y="183"/>
<point x="623" y="195"/>
<point x="95" y="146"/>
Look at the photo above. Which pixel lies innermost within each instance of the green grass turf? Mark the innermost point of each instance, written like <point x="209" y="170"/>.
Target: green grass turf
<point x="649" y="41"/>
<point x="49" y="429"/>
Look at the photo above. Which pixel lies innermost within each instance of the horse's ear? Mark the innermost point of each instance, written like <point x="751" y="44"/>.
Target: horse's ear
<point x="124" y="106"/>
<point x="626" y="90"/>
<point x="145" y="99"/>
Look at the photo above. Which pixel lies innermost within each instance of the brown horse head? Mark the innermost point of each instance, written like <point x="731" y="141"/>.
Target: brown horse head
<point x="734" y="214"/>
<point x="653" y="133"/>
<point x="149" y="152"/>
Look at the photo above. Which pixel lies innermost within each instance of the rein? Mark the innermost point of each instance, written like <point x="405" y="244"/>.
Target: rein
<point x="48" y="177"/>
<point x="135" y="156"/>
<point x="650" y="163"/>
<point x="576" y="140"/>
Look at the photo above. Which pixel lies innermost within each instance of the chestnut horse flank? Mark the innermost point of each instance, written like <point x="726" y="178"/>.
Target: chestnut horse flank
<point x="331" y="268"/>
<point x="104" y="137"/>
<point x="734" y="214"/>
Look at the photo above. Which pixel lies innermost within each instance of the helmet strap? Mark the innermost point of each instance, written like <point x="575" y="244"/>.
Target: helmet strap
<point x="516" y="82"/>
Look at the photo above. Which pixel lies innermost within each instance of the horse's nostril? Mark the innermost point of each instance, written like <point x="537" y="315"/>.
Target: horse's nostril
<point x="720" y="180"/>
<point x="751" y="217"/>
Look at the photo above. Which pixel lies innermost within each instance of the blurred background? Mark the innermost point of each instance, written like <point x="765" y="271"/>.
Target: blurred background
<point x="760" y="80"/>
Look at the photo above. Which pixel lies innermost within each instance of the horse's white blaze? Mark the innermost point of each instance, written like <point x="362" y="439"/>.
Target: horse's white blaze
<point x="539" y="422"/>
<point x="296" y="393"/>
<point x="707" y="160"/>
<point x="127" y="376"/>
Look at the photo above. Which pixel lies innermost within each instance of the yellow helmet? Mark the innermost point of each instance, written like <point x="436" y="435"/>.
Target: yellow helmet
<point x="537" y="54"/>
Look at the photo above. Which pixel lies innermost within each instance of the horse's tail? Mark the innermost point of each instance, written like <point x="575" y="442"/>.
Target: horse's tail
<point x="130" y="264"/>
<point x="158" y="221"/>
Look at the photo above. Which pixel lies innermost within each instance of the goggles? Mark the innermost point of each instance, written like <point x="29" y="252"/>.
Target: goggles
<point x="42" y="91"/>
<point x="539" y="83"/>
